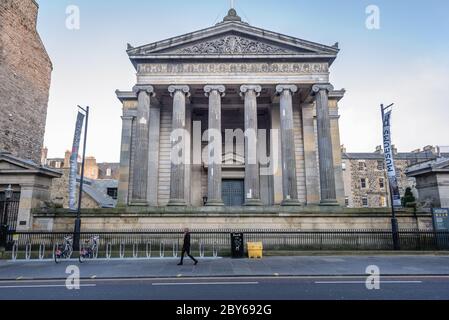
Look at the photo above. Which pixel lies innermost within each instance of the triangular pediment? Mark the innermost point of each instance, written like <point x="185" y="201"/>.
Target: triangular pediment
<point x="11" y="164"/>
<point x="233" y="44"/>
<point x="233" y="39"/>
<point x="6" y="165"/>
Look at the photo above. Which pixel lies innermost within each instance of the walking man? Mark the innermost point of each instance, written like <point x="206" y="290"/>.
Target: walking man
<point x="186" y="247"/>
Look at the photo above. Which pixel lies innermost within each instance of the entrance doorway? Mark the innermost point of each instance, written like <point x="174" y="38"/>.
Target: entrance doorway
<point x="233" y="193"/>
<point x="9" y="209"/>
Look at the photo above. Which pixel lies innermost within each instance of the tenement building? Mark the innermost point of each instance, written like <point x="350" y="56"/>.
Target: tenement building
<point x="231" y="115"/>
<point x="25" y="73"/>
<point x="365" y="179"/>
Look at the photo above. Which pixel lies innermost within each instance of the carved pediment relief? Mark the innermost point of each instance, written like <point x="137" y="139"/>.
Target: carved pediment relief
<point x="229" y="39"/>
<point x="232" y="44"/>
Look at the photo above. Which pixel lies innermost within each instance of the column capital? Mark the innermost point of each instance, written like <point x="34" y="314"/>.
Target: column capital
<point x="286" y="87"/>
<point x="147" y="88"/>
<point x="219" y="88"/>
<point x="325" y="86"/>
<point x="250" y="87"/>
<point x="183" y="88"/>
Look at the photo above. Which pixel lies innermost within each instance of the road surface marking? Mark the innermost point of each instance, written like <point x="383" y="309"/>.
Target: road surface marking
<point x="202" y="283"/>
<point x="43" y="286"/>
<point x="362" y="282"/>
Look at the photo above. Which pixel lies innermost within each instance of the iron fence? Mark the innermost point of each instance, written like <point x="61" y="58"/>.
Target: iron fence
<point x="168" y="243"/>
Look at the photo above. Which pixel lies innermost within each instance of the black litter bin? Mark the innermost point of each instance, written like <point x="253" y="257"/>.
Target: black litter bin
<point x="237" y="245"/>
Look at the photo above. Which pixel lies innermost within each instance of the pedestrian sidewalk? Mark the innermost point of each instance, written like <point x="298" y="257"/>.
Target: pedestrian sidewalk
<point x="226" y="267"/>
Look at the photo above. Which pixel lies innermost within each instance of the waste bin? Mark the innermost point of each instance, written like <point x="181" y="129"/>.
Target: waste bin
<point x="255" y="249"/>
<point x="237" y="245"/>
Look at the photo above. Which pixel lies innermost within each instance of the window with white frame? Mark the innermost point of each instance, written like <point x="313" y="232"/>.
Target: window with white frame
<point x="362" y="165"/>
<point x="365" y="201"/>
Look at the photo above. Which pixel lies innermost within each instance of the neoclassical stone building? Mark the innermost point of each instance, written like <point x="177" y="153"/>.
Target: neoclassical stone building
<point x="231" y="78"/>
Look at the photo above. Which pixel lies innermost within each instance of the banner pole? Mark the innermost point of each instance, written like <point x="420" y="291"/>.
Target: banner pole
<point x="394" y="220"/>
<point x="76" y="238"/>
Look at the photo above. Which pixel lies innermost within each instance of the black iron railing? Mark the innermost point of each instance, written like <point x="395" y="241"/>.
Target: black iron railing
<point x="168" y="243"/>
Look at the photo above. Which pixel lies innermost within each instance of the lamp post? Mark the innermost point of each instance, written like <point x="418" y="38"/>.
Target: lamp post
<point x="77" y="231"/>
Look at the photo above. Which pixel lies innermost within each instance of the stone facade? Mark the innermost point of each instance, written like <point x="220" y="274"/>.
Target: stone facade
<point x="235" y="77"/>
<point x="432" y="182"/>
<point x="25" y="74"/>
<point x="31" y="182"/>
<point x="288" y="218"/>
<point x="60" y="193"/>
<point x="365" y="180"/>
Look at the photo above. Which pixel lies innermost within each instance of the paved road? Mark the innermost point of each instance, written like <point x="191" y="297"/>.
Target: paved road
<point x="252" y="288"/>
<point x="283" y="266"/>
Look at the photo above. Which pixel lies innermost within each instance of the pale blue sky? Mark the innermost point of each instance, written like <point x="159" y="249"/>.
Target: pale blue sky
<point x="406" y="61"/>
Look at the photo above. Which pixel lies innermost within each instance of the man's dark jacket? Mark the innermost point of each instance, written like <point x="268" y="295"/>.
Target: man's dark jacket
<point x="186" y="245"/>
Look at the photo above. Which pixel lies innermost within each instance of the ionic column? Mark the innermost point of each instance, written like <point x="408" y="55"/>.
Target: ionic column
<point x="140" y="168"/>
<point x="325" y="154"/>
<point x="153" y="154"/>
<point x="289" y="185"/>
<point x="178" y="152"/>
<point x="125" y="156"/>
<point x="215" y="145"/>
<point x="252" y="179"/>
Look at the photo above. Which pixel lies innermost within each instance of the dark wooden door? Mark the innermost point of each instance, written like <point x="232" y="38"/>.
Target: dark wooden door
<point x="233" y="193"/>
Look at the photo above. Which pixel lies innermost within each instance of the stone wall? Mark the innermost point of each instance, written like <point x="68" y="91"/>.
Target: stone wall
<point x="25" y="74"/>
<point x="59" y="192"/>
<point x="376" y="195"/>
<point x="206" y="218"/>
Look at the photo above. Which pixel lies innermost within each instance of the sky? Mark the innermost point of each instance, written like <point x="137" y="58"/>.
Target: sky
<point x="405" y="61"/>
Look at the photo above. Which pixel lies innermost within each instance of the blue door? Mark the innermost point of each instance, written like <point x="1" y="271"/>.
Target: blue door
<point x="233" y="193"/>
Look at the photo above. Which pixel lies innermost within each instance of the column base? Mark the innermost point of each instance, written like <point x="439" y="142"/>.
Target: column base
<point x="253" y="203"/>
<point x="176" y="203"/>
<point x="291" y="203"/>
<point x="214" y="203"/>
<point x="329" y="203"/>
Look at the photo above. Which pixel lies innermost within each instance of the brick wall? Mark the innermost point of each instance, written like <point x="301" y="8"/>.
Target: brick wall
<point x="25" y="74"/>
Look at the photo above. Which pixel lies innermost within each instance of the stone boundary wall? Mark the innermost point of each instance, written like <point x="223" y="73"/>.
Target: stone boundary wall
<point x="247" y="218"/>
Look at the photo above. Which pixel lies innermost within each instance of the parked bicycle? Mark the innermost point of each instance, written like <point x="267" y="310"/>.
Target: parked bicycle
<point x="90" y="249"/>
<point x="66" y="251"/>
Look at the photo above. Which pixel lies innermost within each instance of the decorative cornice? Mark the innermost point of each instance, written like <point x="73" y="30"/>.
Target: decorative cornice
<point x="289" y="87"/>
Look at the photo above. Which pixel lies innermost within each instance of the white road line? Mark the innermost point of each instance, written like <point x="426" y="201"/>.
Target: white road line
<point x="43" y="286"/>
<point x="202" y="283"/>
<point x="363" y="282"/>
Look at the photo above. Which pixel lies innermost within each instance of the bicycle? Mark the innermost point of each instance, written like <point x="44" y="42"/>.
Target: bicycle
<point x="67" y="250"/>
<point x="91" y="251"/>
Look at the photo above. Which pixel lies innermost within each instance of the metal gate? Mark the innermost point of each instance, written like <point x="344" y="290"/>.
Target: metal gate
<point x="233" y="193"/>
<point x="9" y="210"/>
